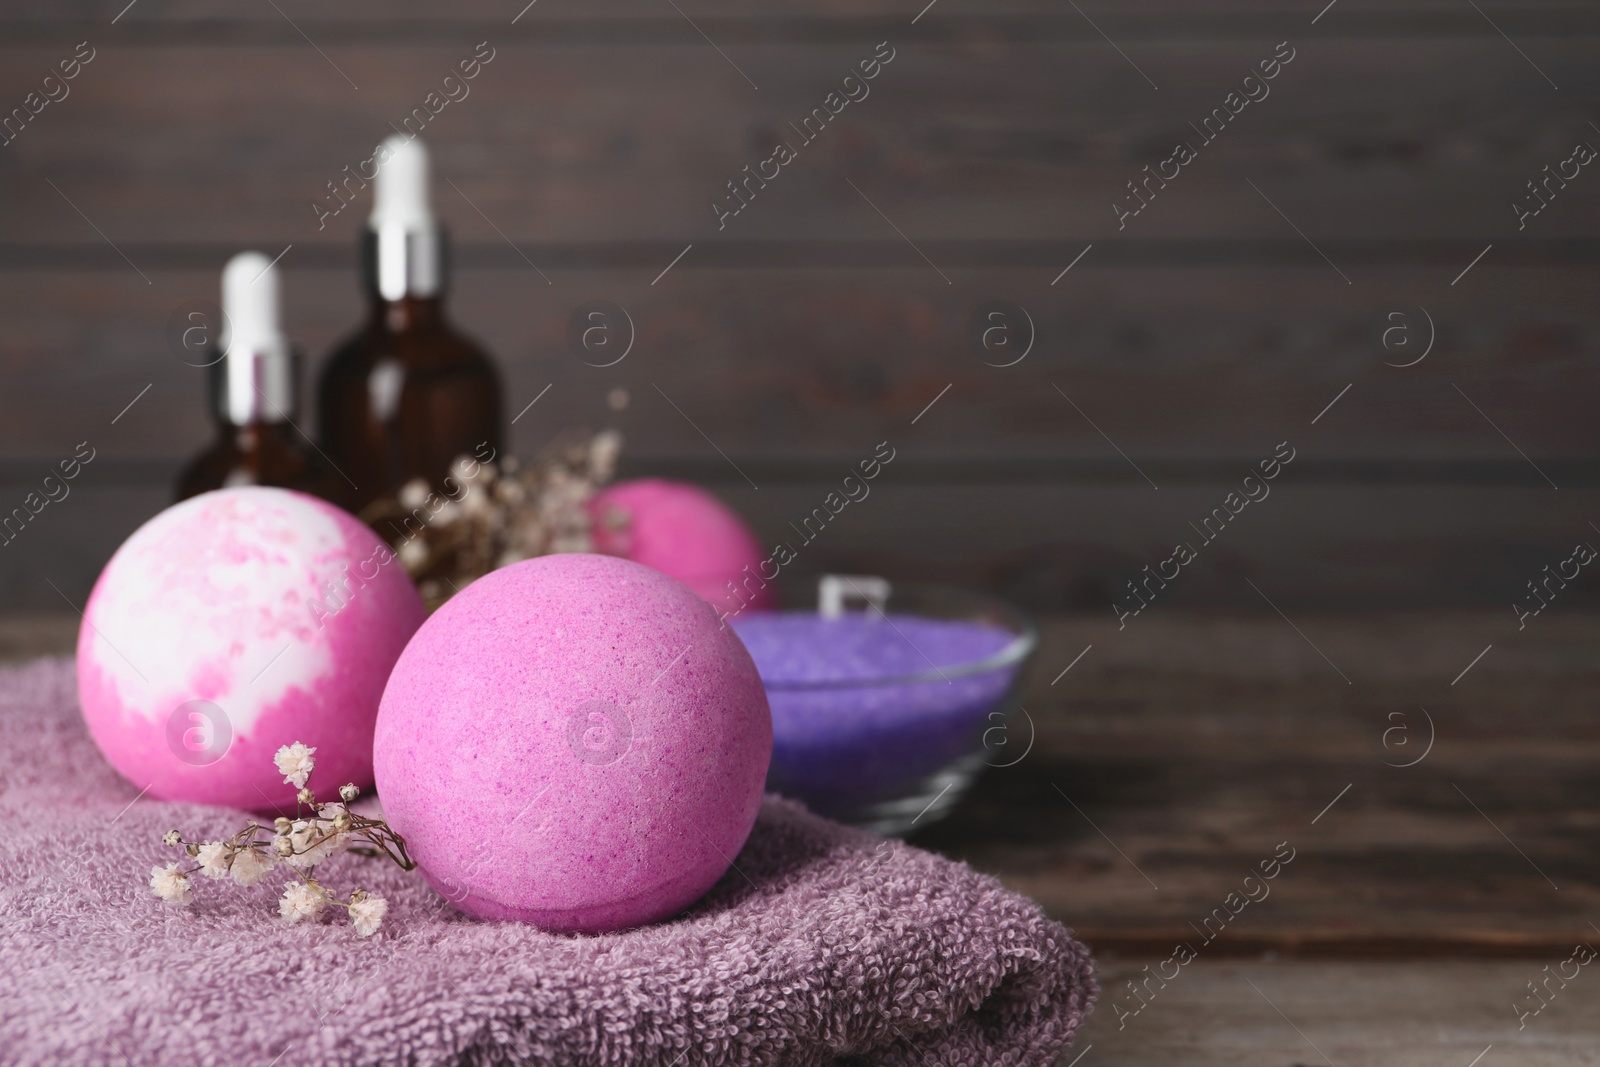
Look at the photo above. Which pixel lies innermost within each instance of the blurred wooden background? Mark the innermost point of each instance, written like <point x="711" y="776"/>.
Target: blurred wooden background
<point x="808" y="330"/>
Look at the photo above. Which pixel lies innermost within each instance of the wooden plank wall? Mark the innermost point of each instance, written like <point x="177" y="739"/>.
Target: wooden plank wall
<point x="1178" y="351"/>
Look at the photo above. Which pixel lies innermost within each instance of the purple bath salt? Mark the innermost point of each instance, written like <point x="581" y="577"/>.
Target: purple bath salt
<point x="864" y="706"/>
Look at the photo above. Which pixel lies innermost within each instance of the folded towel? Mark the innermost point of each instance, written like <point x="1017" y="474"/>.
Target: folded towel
<point x="823" y="943"/>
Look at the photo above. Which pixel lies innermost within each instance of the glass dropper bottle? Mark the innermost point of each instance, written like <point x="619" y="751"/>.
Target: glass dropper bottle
<point x="406" y="394"/>
<point x="253" y="391"/>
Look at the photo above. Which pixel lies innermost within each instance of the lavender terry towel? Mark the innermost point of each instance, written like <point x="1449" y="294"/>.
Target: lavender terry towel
<point x="824" y="944"/>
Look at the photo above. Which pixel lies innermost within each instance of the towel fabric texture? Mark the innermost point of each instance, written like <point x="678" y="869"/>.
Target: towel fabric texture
<point x="823" y="944"/>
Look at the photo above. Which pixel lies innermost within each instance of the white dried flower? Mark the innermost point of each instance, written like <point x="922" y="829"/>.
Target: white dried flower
<point x="301" y="902"/>
<point x="414" y="494"/>
<point x="604" y="451"/>
<point x="304" y="842"/>
<point x="295" y="764"/>
<point x="316" y="840"/>
<point x="170" y="884"/>
<point x="475" y="501"/>
<point x="367" y="914"/>
<point x="252" y="865"/>
<point x="413" y="554"/>
<point x="213" y="857"/>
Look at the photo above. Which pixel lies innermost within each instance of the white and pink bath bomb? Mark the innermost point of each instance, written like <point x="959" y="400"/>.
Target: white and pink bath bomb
<point x="573" y="741"/>
<point x="232" y="624"/>
<point x="683" y="531"/>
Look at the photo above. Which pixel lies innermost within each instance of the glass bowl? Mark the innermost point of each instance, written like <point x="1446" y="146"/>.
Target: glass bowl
<point x="897" y="742"/>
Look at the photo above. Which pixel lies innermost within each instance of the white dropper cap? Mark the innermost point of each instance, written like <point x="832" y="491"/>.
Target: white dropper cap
<point x="405" y="246"/>
<point x="400" y="193"/>
<point x="258" y="370"/>
<point x="250" y="301"/>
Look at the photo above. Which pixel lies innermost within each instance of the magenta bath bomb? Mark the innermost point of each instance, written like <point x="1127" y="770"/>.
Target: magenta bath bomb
<point x="235" y="623"/>
<point x="682" y="531"/>
<point x="573" y="741"/>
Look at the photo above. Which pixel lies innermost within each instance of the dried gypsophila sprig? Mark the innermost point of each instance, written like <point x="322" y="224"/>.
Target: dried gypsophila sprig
<point x="300" y="843"/>
<point x="494" y="513"/>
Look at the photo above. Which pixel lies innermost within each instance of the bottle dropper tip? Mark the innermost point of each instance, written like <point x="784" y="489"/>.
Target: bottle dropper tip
<point x="400" y="193"/>
<point x="250" y="300"/>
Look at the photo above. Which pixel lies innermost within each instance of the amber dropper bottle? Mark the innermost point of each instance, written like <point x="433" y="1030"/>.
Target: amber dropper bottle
<point x="253" y="390"/>
<point x="407" y="394"/>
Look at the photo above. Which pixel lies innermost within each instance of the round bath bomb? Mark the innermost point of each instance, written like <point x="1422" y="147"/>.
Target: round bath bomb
<point x="232" y="624"/>
<point x="573" y="741"/>
<point x="685" y="532"/>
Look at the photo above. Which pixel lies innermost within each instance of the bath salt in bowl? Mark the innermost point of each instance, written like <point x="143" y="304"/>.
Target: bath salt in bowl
<point x="883" y="717"/>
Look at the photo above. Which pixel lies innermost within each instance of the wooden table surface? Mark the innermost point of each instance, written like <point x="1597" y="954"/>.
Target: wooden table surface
<point x="1178" y="755"/>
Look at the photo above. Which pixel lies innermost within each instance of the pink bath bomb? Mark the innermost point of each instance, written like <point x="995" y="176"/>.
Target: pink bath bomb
<point x="235" y="623"/>
<point x="573" y="741"/>
<point x="682" y="531"/>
